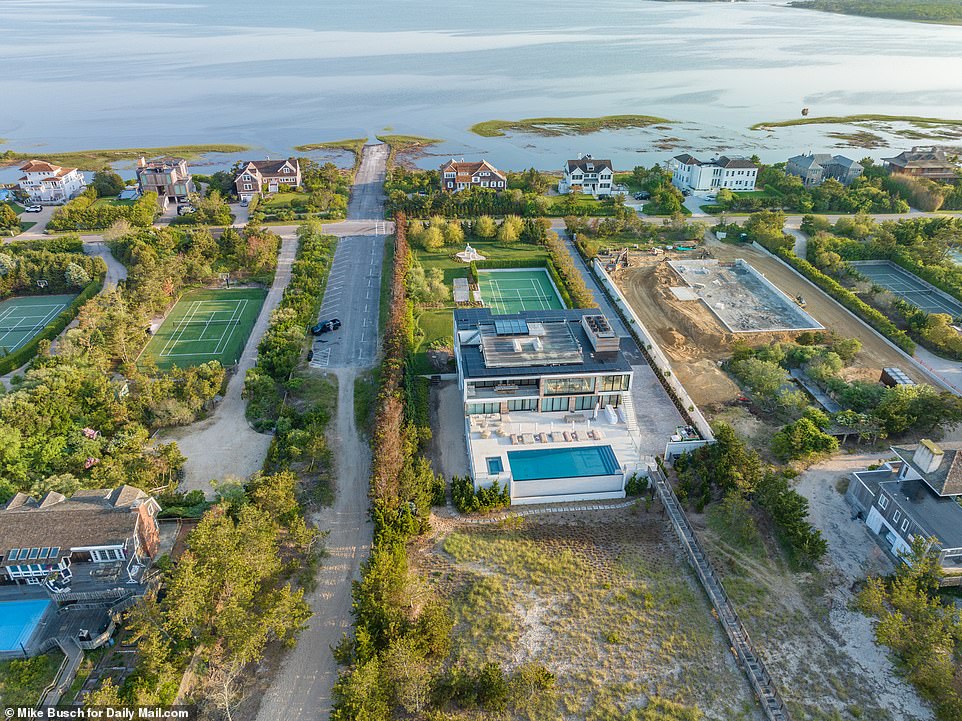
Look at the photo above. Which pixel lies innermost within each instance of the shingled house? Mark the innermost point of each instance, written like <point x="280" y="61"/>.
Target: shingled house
<point x="923" y="162"/>
<point x="914" y="496"/>
<point x="816" y="168"/>
<point x="457" y="175"/>
<point x="92" y="526"/>
<point x="260" y="176"/>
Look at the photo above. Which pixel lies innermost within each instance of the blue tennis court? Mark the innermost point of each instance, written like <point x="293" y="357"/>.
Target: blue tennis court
<point x="18" y="621"/>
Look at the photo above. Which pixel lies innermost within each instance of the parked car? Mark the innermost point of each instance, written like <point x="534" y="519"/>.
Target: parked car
<point x="326" y="326"/>
<point x="183" y="199"/>
<point x="33" y="209"/>
<point x="185" y="209"/>
<point x="643" y="195"/>
<point x="686" y="192"/>
<point x="711" y="198"/>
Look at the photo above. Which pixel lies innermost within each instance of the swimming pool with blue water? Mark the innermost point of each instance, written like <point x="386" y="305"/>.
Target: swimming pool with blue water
<point x="18" y="620"/>
<point x="541" y="463"/>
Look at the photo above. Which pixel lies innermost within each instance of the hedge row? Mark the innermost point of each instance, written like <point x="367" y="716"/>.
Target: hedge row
<point x="545" y="263"/>
<point x="848" y="299"/>
<point x="24" y="353"/>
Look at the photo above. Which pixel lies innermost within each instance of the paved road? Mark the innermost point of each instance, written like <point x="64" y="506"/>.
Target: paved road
<point x="116" y="271"/>
<point x="301" y="690"/>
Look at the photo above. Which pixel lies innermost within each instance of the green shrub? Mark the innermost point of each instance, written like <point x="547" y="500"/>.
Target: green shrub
<point x="468" y="500"/>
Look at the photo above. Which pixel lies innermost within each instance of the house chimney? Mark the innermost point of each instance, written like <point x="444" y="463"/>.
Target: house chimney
<point x="928" y="456"/>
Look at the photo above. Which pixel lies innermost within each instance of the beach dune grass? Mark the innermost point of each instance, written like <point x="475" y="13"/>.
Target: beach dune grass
<point x="861" y="118"/>
<point x="551" y="127"/>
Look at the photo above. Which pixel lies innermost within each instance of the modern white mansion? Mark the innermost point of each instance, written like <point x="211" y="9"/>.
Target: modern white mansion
<point x="732" y="172"/>
<point x="547" y="403"/>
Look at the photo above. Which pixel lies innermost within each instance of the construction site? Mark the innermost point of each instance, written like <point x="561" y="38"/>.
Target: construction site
<point x="696" y="341"/>
<point x="742" y="299"/>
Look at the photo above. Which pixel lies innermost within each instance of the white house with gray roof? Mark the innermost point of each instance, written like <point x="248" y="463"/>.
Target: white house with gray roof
<point x="727" y="171"/>
<point x="588" y="176"/>
<point x="916" y="495"/>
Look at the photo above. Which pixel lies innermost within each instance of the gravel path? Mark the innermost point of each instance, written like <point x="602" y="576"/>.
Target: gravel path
<point x="224" y="445"/>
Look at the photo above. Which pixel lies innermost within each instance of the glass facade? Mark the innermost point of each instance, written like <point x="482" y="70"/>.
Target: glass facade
<point x="475" y="408"/>
<point x="614" y="383"/>
<point x="527" y="404"/>
<point x="554" y="404"/>
<point x="585" y="403"/>
<point x="568" y="386"/>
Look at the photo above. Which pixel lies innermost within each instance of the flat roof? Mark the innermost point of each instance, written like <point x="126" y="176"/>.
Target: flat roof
<point x="532" y="343"/>
<point x="942" y="517"/>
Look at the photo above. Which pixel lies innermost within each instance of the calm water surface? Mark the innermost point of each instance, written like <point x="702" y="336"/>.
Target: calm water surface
<point x="114" y="73"/>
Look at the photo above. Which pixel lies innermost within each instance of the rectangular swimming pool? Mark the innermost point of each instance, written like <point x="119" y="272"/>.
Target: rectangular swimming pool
<point x="18" y="621"/>
<point x="542" y="463"/>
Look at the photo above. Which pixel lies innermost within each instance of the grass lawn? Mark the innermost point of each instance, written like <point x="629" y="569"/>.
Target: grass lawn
<point x="587" y="205"/>
<point x="21" y="681"/>
<point x="605" y="605"/>
<point x="206" y="325"/>
<point x="365" y="396"/>
<point x="17" y="208"/>
<point x="384" y="298"/>
<point x="435" y="323"/>
<point x="25" y="226"/>
<point x="279" y="201"/>
<point x="649" y="208"/>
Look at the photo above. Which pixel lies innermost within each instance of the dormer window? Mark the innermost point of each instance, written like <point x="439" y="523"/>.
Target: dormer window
<point x="591" y="166"/>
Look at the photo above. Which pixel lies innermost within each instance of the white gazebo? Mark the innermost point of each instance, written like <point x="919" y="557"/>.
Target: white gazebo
<point x="468" y="255"/>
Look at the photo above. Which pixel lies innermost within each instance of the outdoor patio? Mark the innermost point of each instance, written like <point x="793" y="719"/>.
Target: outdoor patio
<point x="493" y="435"/>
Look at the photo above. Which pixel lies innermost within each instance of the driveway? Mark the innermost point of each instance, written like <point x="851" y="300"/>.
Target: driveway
<point x="301" y="690"/>
<point x="40" y="219"/>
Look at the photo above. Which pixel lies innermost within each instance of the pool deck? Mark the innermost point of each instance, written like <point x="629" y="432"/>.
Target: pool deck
<point x="490" y="436"/>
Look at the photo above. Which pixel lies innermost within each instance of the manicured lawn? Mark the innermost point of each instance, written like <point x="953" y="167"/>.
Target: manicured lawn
<point x="21" y="681"/>
<point x="206" y="325"/>
<point x="279" y="201"/>
<point x="435" y="324"/>
<point x="17" y="208"/>
<point x="490" y="249"/>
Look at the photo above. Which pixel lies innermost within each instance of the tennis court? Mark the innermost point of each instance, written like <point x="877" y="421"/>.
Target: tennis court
<point x="909" y="287"/>
<point x="512" y="291"/>
<point x="206" y="325"/>
<point x="22" y="318"/>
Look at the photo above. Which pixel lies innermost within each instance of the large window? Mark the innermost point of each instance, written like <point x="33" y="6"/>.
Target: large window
<point x="554" y="404"/>
<point x="585" y="403"/>
<point x="614" y="383"/>
<point x="568" y="386"/>
<point x="613" y="401"/>
<point x="475" y="408"/>
<point x="528" y="404"/>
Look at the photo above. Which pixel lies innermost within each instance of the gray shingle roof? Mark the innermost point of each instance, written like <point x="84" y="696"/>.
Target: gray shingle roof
<point x="940" y="517"/>
<point x="946" y="480"/>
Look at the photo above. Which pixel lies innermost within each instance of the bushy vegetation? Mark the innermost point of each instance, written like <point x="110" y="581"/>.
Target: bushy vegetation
<point x="922" y="629"/>
<point x="467" y="499"/>
<point x="282" y="346"/>
<point x="23" y="264"/>
<point x="88" y="212"/>
<point x="766" y="228"/>
<point x="919" y="245"/>
<point x="227" y="597"/>
<point x="324" y="193"/>
<point x="665" y="199"/>
<point x="869" y="410"/>
<point x="779" y="190"/>
<point x="728" y="466"/>
<point x="627" y="228"/>
<point x="417" y="193"/>
<point x="9" y="220"/>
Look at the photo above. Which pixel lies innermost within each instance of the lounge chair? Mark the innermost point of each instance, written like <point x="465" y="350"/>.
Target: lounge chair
<point x="529" y="438"/>
<point x="544" y="437"/>
<point x="599" y="436"/>
<point x="574" y="436"/>
<point x="567" y="436"/>
<point x="514" y="439"/>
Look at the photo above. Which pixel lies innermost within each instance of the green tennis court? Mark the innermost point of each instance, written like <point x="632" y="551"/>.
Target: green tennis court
<point x="512" y="291"/>
<point x="206" y="325"/>
<point x="22" y="318"/>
